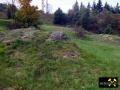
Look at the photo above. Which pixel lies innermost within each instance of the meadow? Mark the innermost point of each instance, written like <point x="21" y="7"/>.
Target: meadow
<point x="39" y="64"/>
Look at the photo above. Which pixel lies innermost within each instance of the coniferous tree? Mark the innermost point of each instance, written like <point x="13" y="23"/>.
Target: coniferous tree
<point x="82" y="6"/>
<point x="76" y="7"/>
<point x="76" y="14"/>
<point x="107" y="7"/>
<point x="89" y="6"/>
<point x="113" y="10"/>
<point x="85" y="18"/>
<point x="70" y="16"/>
<point x="99" y="6"/>
<point x="117" y="8"/>
<point x="94" y="8"/>
<point x="59" y="17"/>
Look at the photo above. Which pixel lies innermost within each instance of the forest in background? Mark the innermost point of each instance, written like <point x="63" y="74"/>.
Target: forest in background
<point x="97" y="18"/>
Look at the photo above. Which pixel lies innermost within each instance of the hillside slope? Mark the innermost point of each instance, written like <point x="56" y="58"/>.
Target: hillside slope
<point x="33" y="63"/>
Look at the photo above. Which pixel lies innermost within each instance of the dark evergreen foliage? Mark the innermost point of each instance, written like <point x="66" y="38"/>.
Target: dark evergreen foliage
<point x="117" y="8"/>
<point x="60" y="17"/>
<point x="97" y="18"/>
<point x="99" y="6"/>
<point x="107" y="7"/>
<point x="75" y="13"/>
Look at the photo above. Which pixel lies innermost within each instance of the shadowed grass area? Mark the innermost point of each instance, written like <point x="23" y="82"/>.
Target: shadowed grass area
<point x="3" y="24"/>
<point x="31" y="65"/>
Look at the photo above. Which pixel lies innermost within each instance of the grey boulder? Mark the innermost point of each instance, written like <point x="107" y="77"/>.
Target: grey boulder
<point x="58" y="36"/>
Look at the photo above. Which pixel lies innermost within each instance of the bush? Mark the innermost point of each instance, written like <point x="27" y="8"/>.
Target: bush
<point x="79" y="31"/>
<point x="108" y="30"/>
<point x="28" y="15"/>
<point x="17" y="43"/>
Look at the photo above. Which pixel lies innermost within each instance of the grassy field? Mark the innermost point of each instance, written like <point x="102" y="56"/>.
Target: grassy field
<point x="37" y="64"/>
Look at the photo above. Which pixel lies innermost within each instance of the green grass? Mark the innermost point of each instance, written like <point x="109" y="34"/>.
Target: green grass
<point x="30" y="65"/>
<point x="3" y="24"/>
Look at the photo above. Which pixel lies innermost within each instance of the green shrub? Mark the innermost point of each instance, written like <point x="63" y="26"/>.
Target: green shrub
<point x="17" y="43"/>
<point x="108" y="30"/>
<point x="4" y="23"/>
<point x="2" y="48"/>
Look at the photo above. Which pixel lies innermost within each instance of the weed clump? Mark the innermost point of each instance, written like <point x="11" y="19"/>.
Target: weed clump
<point x="79" y="31"/>
<point x="17" y="43"/>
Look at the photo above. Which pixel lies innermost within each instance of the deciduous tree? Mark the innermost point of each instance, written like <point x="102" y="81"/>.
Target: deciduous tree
<point x="27" y="14"/>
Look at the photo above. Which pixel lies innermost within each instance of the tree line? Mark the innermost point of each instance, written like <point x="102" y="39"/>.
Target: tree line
<point x="98" y="18"/>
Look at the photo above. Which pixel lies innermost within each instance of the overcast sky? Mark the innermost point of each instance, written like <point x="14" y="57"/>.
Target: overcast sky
<point x="65" y="5"/>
